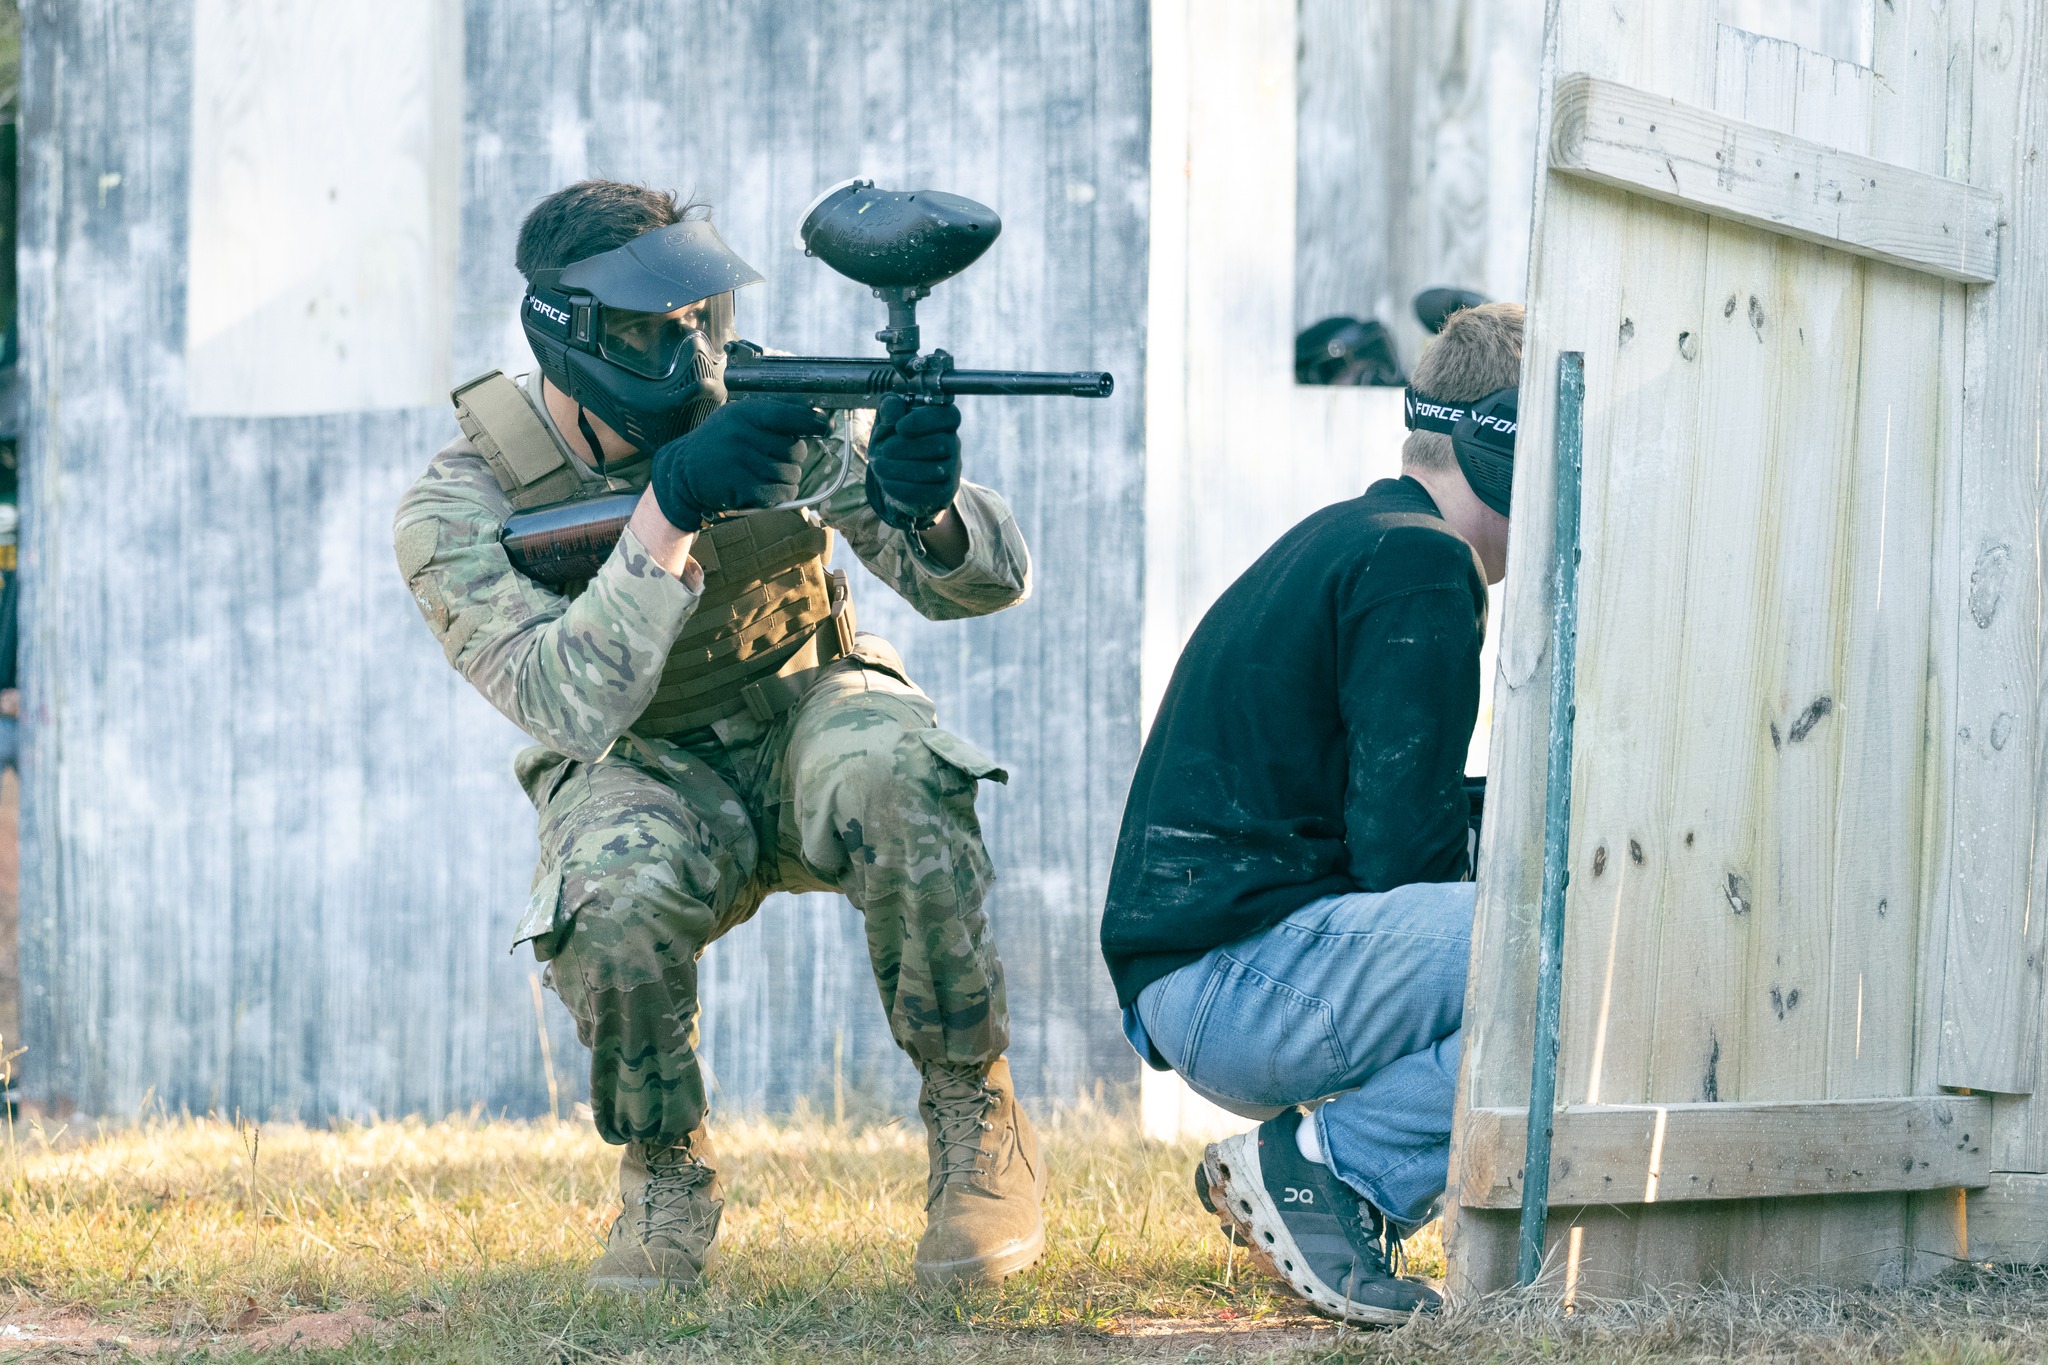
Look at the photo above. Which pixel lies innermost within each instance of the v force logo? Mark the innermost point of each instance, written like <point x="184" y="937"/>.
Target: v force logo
<point x="558" y="315"/>
<point x="1291" y="1195"/>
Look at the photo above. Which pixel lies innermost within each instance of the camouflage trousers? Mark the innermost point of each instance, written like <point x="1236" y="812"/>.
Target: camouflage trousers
<point x="657" y="849"/>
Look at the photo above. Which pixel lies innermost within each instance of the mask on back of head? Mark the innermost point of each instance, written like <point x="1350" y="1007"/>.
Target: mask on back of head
<point x="1482" y="434"/>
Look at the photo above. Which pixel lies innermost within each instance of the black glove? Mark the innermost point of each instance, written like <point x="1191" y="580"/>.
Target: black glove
<point x="742" y="455"/>
<point x="913" y="461"/>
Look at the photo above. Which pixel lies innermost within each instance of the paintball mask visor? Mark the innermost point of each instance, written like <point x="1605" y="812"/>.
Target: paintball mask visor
<point x="660" y="271"/>
<point x="651" y="345"/>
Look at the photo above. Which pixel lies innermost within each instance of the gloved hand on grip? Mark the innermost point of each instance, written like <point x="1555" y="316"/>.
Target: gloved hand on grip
<point x="743" y="455"/>
<point x="913" y="461"/>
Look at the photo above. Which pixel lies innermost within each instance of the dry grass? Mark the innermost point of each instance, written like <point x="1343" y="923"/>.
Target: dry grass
<point x="465" y="1241"/>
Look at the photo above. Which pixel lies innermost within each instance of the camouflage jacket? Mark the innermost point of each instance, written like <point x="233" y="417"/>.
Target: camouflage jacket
<point x="574" y="673"/>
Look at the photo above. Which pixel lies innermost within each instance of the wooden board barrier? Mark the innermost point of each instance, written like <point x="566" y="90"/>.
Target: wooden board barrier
<point x="1774" y="843"/>
<point x="2008" y="1219"/>
<point x="1664" y="1153"/>
<point x="1654" y="146"/>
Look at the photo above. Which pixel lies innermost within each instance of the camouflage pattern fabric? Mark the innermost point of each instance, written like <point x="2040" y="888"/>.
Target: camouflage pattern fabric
<point x="575" y="672"/>
<point x="650" y="849"/>
<point x="657" y="849"/>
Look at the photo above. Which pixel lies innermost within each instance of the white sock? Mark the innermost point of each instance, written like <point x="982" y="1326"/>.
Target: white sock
<point x="1308" y="1141"/>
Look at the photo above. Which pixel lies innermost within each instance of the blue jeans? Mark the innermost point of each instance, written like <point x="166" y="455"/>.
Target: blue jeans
<point x="1359" y="998"/>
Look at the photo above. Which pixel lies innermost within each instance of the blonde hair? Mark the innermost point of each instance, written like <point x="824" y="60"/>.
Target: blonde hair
<point x="1479" y="351"/>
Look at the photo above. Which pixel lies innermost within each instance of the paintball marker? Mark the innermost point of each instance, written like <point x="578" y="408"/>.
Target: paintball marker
<point x="899" y="244"/>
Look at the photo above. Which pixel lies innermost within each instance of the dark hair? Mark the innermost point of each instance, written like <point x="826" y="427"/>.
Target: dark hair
<point x="593" y="216"/>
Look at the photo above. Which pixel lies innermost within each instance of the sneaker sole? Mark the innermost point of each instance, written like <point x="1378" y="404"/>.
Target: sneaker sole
<point x="1208" y="1201"/>
<point x="1239" y="1189"/>
<point x="986" y="1269"/>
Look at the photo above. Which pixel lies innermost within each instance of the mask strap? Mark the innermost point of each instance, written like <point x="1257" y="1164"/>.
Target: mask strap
<point x="596" y="446"/>
<point x="1424" y="413"/>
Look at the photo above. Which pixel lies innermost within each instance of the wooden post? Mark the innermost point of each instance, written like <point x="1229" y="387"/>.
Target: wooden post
<point x="1557" y="815"/>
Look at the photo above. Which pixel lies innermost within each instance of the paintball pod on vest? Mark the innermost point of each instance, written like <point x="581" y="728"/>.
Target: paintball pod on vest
<point x="899" y="245"/>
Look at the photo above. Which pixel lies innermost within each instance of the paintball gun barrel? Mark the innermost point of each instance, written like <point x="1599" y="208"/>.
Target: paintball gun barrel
<point x="899" y="244"/>
<point x="849" y="382"/>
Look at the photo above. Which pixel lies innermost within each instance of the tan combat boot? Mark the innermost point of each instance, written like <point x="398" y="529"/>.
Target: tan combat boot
<point x="663" y="1237"/>
<point x="982" y="1219"/>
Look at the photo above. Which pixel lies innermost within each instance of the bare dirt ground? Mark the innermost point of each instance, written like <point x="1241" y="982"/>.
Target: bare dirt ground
<point x="68" y="1332"/>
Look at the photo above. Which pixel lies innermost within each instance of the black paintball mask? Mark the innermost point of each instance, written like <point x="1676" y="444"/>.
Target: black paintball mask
<point x="1482" y="436"/>
<point x="600" y="330"/>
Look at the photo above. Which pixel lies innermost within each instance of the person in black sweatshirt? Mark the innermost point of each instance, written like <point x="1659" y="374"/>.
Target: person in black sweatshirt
<point x="1290" y="908"/>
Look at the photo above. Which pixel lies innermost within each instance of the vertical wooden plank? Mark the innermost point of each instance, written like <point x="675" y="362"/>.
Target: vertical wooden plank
<point x="2002" y="452"/>
<point x="1355" y="103"/>
<point x="1990" y="1013"/>
<point x="1412" y="157"/>
<point x="1903" y="425"/>
<point x="1902" y="442"/>
<point x="1637" y="507"/>
<point x="1813" y="341"/>
<point x="1927" y="83"/>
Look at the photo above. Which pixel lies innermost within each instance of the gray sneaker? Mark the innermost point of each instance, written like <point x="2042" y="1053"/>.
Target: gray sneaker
<point x="1307" y="1227"/>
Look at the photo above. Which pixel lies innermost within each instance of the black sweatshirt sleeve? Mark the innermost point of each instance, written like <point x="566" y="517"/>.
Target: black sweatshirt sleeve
<point x="1409" y="697"/>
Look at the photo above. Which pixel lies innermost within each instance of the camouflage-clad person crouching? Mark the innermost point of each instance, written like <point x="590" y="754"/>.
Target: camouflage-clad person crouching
<point x="659" y="833"/>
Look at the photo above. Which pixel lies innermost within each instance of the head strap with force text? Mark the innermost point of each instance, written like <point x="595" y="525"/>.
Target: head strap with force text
<point x="1482" y="433"/>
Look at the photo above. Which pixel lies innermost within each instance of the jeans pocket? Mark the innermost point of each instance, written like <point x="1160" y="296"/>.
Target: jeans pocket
<point x="1260" y="1041"/>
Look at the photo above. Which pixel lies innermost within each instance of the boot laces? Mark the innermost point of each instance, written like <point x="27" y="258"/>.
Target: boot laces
<point x="959" y="1102"/>
<point x="674" y="1177"/>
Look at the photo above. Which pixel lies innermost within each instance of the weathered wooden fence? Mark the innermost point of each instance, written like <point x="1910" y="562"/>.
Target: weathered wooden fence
<point x="1802" y="955"/>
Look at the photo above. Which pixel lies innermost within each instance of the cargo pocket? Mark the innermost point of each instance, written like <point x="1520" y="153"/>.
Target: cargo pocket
<point x="540" y="773"/>
<point x="963" y="755"/>
<point x="873" y="652"/>
<point x="541" y="924"/>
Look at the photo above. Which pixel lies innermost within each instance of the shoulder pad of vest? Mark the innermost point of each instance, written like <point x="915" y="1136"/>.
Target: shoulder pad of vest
<point x="523" y="454"/>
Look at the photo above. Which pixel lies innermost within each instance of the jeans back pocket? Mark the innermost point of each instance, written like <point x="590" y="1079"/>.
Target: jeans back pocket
<point x="1260" y="1041"/>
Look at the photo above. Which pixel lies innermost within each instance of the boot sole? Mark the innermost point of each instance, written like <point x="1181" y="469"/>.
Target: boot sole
<point x="1248" y="1212"/>
<point x="988" y="1269"/>
<point x="628" y="1284"/>
<point x="642" y="1285"/>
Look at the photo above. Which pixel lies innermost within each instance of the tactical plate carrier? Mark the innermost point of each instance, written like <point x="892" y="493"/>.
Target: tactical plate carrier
<point x="771" y="618"/>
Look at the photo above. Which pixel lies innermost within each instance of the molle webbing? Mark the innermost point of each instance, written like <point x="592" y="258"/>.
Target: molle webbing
<point x="771" y="616"/>
<point x="523" y="455"/>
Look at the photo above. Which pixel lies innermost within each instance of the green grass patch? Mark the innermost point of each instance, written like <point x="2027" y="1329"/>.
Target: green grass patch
<point x="467" y="1241"/>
